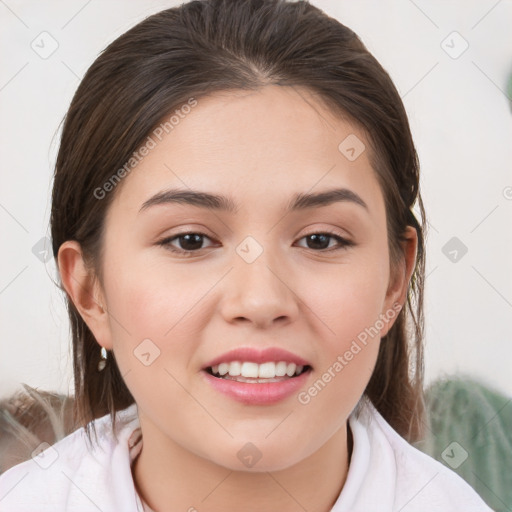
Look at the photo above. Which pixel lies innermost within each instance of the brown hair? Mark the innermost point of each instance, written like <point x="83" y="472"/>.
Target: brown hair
<point x="194" y="50"/>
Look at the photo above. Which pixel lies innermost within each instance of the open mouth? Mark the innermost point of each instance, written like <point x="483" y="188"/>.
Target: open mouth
<point x="250" y="372"/>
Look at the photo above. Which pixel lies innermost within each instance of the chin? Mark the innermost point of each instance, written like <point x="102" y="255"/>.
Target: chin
<point x="249" y="458"/>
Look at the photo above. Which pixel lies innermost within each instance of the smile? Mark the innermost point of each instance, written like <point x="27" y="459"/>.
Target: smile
<point x="254" y="376"/>
<point x="251" y="372"/>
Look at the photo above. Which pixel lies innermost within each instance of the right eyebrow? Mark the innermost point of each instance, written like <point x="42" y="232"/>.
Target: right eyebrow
<point x="316" y="200"/>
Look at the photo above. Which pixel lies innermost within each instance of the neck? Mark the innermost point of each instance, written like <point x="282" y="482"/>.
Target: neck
<point x="176" y="479"/>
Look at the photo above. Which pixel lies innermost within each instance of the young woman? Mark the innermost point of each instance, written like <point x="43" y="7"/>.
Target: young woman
<point x="233" y="223"/>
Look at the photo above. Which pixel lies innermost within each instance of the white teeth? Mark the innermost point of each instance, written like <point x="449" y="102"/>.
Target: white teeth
<point x="290" y="369"/>
<point x="267" y="370"/>
<point x="248" y="369"/>
<point x="235" y="369"/>
<point x="281" y="369"/>
<point x="223" y="368"/>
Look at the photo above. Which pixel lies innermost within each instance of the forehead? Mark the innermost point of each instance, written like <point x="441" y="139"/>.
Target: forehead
<point x="273" y="143"/>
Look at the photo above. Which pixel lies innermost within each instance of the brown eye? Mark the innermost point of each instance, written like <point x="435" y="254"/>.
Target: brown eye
<point x="185" y="242"/>
<point x="322" y="241"/>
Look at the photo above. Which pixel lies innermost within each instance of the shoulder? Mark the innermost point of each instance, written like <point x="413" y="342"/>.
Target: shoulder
<point x="72" y="474"/>
<point x="421" y="482"/>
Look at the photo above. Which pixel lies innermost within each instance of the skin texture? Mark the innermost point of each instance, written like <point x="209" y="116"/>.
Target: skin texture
<point x="260" y="148"/>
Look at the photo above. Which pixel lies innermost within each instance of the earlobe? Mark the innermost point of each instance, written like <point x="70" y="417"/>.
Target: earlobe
<point x="84" y="291"/>
<point x="399" y="286"/>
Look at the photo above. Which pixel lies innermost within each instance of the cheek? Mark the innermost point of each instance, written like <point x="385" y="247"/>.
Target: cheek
<point x="349" y="300"/>
<point x="150" y="296"/>
<point x="156" y="332"/>
<point x="144" y="305"/>
<point x="349" y="306"/>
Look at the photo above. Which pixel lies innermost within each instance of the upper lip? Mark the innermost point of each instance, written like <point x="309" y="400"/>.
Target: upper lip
<point x="257" y="356"/>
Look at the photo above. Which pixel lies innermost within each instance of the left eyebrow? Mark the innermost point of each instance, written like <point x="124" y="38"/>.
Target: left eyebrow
<point x="299" y="201"/>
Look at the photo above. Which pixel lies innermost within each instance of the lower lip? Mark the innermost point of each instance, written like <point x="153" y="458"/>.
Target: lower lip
<point x="258" y="393"/>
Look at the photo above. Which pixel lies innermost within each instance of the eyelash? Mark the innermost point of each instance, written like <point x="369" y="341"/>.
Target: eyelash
<point x="343" y="242"/>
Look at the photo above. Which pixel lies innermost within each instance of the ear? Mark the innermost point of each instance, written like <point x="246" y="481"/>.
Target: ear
<point x="84" y="291"/>
<point x="396" y="294"/>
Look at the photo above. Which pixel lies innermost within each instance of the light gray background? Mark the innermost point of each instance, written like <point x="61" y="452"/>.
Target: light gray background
<point x="461" y="121"/>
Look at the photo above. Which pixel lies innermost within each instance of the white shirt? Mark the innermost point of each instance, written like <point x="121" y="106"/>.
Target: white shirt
<point x="385" y="474"/>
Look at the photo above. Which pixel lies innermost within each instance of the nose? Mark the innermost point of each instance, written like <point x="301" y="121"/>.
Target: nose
<point x="259" y="293"/>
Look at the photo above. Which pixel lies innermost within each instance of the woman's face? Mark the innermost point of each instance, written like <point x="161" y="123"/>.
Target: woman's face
<point x="265" y="272"/>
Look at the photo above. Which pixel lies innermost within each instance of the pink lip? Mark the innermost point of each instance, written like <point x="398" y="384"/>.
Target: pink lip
<point x="255" y="393"/>
<point x="258" y="356"/>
